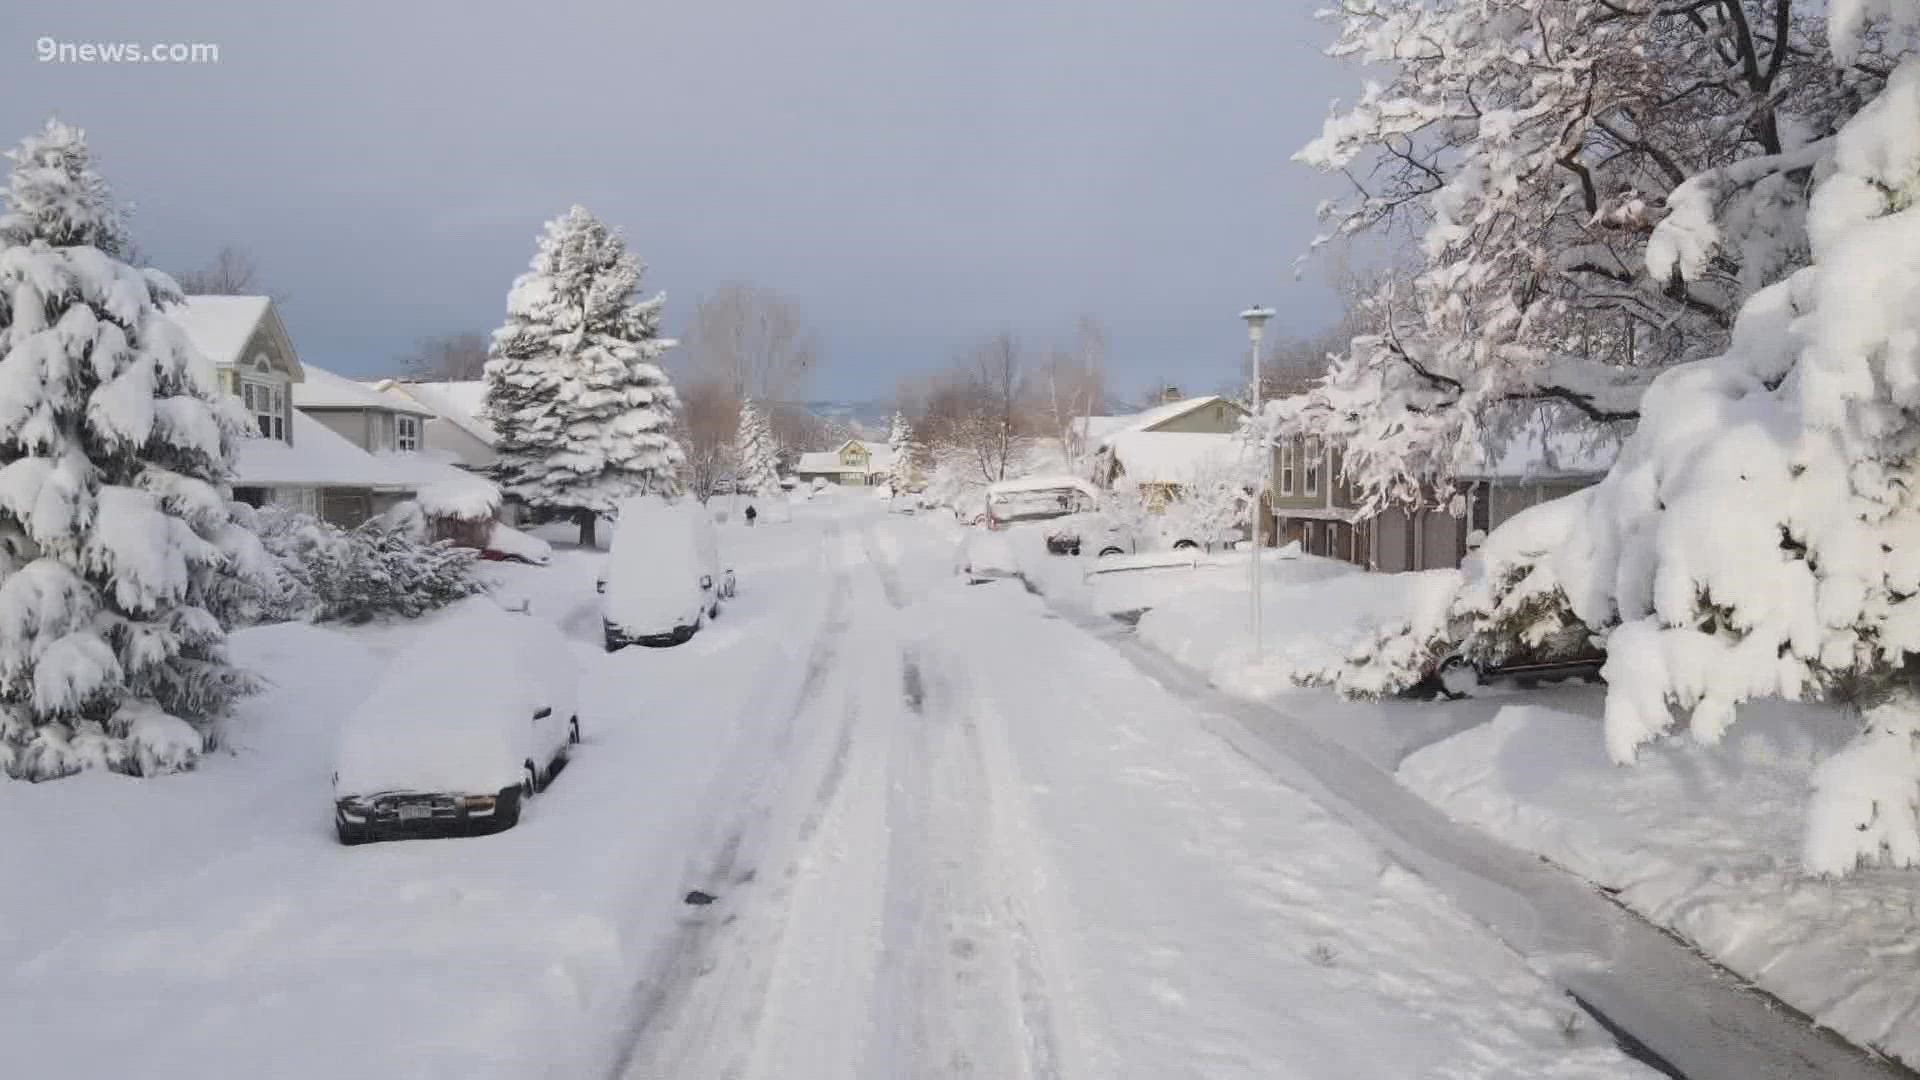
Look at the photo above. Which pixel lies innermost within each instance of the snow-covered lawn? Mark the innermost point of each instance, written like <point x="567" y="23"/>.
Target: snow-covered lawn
<point x="1705" y="841"/>
<point x="208" y="923"/>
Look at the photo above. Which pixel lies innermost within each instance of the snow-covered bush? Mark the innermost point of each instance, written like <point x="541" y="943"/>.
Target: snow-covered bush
<point x="575" y="390"/>
<point x="118" y="553"/>
<point x="377" y="570"/>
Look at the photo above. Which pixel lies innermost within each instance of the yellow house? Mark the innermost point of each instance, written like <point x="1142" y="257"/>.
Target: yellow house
<point x="855" y="463"/>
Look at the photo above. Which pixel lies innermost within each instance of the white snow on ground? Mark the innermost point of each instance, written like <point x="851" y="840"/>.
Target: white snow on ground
<point x="1705" y="841"/>
<point x="1003" y="852"/>
<point x="208" y="923"/>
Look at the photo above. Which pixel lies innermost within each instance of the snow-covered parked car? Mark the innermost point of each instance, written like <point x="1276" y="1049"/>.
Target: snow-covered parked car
<point x="463" y="729"/>
<point x="508" y="544"/>
<point x="664" y="577"/>
<point x="1064" y="501"/>
<point x="986" y="556"/>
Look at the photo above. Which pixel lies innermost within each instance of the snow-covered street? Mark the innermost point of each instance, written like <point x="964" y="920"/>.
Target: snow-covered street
<point x="948" y="833"/>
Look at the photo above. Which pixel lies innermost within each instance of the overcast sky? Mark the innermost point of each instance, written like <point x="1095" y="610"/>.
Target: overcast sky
<point x="915" y="175"/>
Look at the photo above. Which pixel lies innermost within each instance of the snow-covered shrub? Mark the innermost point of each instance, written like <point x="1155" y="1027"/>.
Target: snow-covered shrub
<point x="575" y="390"/>
<point x="1398" y="651"/>
<point x="377" y="570"/>
<point x="118" y="553"/>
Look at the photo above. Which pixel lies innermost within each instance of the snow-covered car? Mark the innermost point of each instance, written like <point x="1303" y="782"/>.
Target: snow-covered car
<point x="986" y="556"/>
<point x="508" y="544"/>
<point x="663" y="579"/>
<point x="1067" y="501"/>
<point x="970" y="508"/>
<point x="1459" y="672"/>
<point x="464" y="727"/>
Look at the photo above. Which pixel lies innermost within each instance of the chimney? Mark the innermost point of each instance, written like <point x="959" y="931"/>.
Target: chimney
<point x="1170" y="395"/>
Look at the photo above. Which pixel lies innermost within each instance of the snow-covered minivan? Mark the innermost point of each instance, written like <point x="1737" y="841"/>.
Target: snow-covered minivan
<point x="664" y="576"/>
<point x="464" y="727"/>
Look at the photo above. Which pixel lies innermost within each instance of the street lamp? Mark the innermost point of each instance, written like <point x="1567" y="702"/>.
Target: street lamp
<point x="1256" y="318"/>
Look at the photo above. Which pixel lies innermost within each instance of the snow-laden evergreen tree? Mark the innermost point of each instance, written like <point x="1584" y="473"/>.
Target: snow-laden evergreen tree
<point x="1598" y="185"/>
<point x="117" y="547"/>
<point x="759" y="458"/>
<point x="903" y="472"/>
<point x="574" y="385"/>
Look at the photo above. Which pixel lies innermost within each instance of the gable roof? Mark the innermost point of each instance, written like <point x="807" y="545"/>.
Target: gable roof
<point x="318" y="457"/>
<point x="457" y="402"/>
<point x="322" y="389"/>
<point x="1159" y="414"/>
<point x="221" y="326"/>
<point x="1175" y="457"/>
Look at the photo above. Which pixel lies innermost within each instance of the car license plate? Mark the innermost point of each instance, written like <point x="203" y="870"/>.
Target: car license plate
<point x="415" y="811"/>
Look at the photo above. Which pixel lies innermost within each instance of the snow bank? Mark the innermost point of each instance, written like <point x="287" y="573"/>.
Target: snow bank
<point x="1706" y="842"/>
<point x="1315" y="614"/>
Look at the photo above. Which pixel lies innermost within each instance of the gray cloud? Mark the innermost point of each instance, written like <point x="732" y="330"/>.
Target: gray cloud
<point x="917" y="175"/>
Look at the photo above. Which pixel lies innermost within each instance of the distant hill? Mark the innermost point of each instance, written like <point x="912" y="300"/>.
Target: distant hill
<point x="872" y="417"/>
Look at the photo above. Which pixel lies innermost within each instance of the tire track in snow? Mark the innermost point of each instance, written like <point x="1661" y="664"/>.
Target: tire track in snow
<point x="963" y="991"/>
<point x="690" y="952"/>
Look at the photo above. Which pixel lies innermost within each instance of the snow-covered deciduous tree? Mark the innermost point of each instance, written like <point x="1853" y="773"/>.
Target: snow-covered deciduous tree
<point x="574" y="387"/>
<point x="1758" y="535"/>
<point x="904" y="471"/>
<point x="1597" y="185"/>
<point x="1209" y="507"/>
<point x="117" y="546"/>
<point x="758" y="456"/>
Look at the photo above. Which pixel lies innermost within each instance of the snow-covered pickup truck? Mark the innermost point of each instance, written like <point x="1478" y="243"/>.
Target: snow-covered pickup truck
<point x="463" y="729"/>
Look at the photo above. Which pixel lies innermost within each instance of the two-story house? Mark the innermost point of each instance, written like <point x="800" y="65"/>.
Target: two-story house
<point x="856" y="463"/>
<point x="1168" y="445"/>
<point x="1310" y="503"/>
<point x="296" y="459"/>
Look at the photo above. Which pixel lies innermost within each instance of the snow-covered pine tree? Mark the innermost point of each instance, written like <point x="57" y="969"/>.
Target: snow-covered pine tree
<point x="759" y="461"/>
<point x="574" y="384"/>
<point x="116" y="542"/>
<point x="904" y="471"/>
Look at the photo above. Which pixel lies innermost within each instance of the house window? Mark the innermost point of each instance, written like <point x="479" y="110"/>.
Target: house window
<point x="267" y="402"/>
<point x="1310" y="466"/>
<point x="408" y="433"/>
<point x="1286" y="467"/>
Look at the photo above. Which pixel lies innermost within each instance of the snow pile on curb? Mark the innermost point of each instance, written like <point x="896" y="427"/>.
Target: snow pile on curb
<point x="1315" y="613"/>
<point x="1705" y="841"/>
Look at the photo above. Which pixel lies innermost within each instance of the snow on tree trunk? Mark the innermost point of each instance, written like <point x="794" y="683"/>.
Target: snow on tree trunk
<point x="575" y="390"/>
<point x="117" y="544"/>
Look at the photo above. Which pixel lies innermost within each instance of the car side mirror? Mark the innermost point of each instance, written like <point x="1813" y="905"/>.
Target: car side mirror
<point x="543" y="712"/>
<point x="706" y="581"/>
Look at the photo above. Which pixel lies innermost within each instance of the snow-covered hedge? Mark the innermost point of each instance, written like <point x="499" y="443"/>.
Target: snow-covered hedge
<point x="379" y="569"/>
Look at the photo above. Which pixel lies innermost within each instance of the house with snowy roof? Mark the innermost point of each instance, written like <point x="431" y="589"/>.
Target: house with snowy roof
<point x="1169" y="445"/>
<point x="343" y="461"/>
<point x="456" y="433"/>
<point x="856" y="463"/>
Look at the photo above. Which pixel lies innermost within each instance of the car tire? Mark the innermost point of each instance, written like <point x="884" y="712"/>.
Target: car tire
<point x="1184" y="545"/>
<point x="1456" y="675"/>
<point x="1110" y="550"/>
<point x="350" y="835"/>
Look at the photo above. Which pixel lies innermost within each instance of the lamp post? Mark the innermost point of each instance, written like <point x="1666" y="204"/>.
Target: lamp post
<point x="1256" y="318"/>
